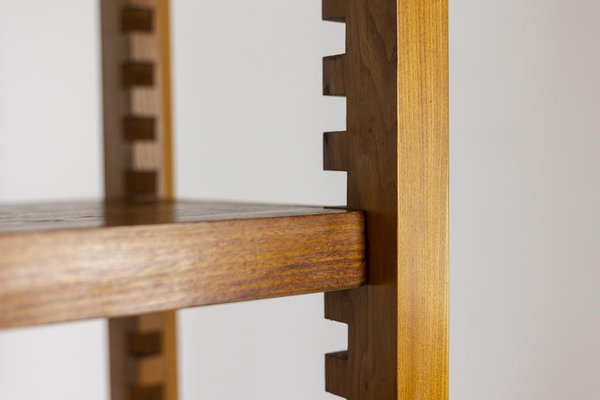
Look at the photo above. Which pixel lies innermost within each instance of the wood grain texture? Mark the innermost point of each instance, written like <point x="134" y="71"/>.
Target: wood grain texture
<point x="334" y="75"/>
<point x="334" y="10"/>
<point x="138" y="161"/>
<point x="335" y="151"/>
<point x="423" y="260"/>
<point x="396" y="147"/>
<point x="45" y="218"/>
<point x="137" y="258"/>
<point x="167" y="180"/>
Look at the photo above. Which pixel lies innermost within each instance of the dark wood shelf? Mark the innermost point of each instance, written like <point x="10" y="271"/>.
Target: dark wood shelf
<point x="80" y="260"/>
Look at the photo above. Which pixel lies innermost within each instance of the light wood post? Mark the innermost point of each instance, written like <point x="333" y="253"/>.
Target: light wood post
<point x="139" y="167"/>
<point x="395" y="149"/>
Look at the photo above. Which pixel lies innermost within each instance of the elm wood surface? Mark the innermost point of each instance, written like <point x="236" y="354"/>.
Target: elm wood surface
<point x="75" y="261"/>
<point x="395" y="77"/>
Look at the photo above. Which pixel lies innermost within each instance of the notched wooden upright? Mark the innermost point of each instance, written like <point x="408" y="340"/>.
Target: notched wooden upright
<point x="137" y="99"/>
<point x="138" y="167"/>
<point x="395" y="77"/>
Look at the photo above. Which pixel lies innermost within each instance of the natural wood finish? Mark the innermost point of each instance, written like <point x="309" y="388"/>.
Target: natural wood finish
<point x="143" y="344"/>
<point x="158" y="49"/>
<point x="423" y="260"/>
<point x="116" y="99"/>
<point x="136" y="88"/>
<point x="335" y="151"/>
<point x="131" y="366"/>
<point x="396" y="151"/>
<point x="73" y="217"/>
<point x="139" y="128"/>
<point x="77" y="261"/>
<point x="165" y="324"/>
<point x="137" y="19"/>
<point x="137" y="74"/>
<point x="337" y="378"/>
<point x="334" y="10"/>
<point x="150" y="371"/>
<point x="155" y="392"/>
<point x="141" y="183"/>
<point x="166" y="110"/>
<point x="168" y="330"/>
<point x="334" y="75"/>
<point x="138" y="155"/>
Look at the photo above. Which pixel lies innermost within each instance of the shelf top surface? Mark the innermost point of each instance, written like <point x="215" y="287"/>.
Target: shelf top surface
<point x="97" y="214"/>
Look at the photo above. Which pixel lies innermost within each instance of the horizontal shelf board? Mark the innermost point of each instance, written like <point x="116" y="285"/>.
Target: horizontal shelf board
<point x="81" y="260"/>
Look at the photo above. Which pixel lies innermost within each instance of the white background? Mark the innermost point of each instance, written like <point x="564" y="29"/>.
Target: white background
<point x="525" y="225"/>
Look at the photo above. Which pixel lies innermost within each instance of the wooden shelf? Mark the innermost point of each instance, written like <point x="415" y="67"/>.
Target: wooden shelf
<point x="80" y="260"/>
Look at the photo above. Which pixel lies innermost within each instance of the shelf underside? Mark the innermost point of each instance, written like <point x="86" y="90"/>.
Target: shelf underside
<point x="80" y="260"/>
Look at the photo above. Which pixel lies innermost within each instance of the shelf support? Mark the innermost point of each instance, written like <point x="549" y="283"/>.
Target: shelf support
<point x="138" y="166"/>
<point x="395" y="151"/>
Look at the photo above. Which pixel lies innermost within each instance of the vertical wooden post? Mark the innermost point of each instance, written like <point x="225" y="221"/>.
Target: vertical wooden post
<point x="139" y="167"/>
<point x="395" y="149"/>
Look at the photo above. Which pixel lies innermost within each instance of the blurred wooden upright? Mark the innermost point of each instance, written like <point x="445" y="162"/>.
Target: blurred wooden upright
<point x="138" y="166"/>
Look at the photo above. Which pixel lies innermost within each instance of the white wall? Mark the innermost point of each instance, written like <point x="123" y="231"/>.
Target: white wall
<point x="249" y="120"/>
<point x="249" y="116"/>
<point x="525" y="168"/>
<point x="50" y="149"/>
